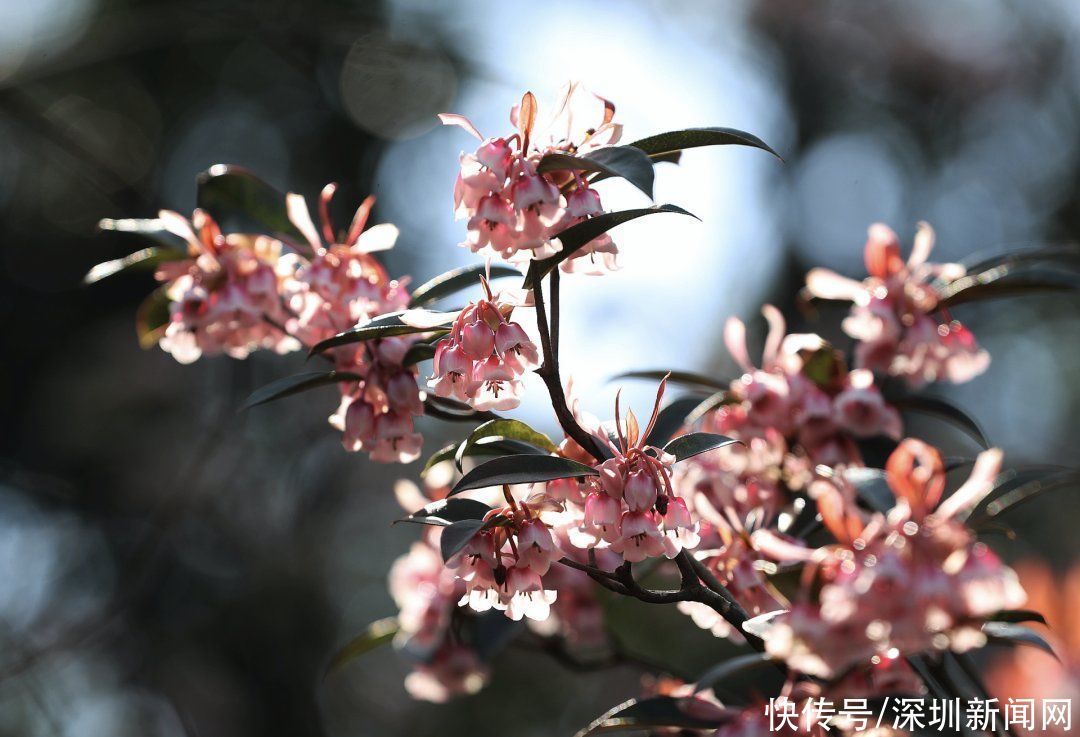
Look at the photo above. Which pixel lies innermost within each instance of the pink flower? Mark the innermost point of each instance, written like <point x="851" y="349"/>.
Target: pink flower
<point x="483" y="356"/>
<point x="515" y="212"/>
<point x="454" y="671"/>
<point x="527" y="597"/>
<point x="536" y="549"/>
<point x="861" y="410"/>
<point x="640" y="537"/>
<point x="894" y="312"/>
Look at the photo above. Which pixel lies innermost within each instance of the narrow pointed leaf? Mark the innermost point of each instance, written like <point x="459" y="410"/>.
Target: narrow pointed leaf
<point x="242" y="202"/>
<point x="694" y="443"/>
<point x="457" y="535"/>
<point x="522" y="469"/>
<point x="152" y="228"/>
<point x="665" y="144"/>
<point x="657" y="712"/>
<point x="945" y="411"/>
<point x="290" y="385"/>
<point x="383" y="326"/>
<point x="576" y="236"/>
<point x="375" y="635"/>
<point x="760" y="625"/>
<point x="1016" y="616"/>
<point x="675" y="377"/>
<point x="454" y="281"/>
<point x="626" y="162"/>
<point x="417" y="352"/>
<point x="505" y="430"/>
<point x="983" y="287"/>
<point x="446" y="512"/>
<point x="708" y="405"/>
<point x="671" y="419"/>
<point x="152" y="317"/>
<point x="144" y="258"/>
<point x="736" y="666"/>
<point x="1006" y="633"/>
<point x="1068" y="256"/>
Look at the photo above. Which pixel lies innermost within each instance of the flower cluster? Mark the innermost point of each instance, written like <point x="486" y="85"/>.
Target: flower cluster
<point x="902" y="582"/>
<point x="224" y="297"/>
<point x="893" y="317"/>
<point x="512" y="207"/>
<point x="481" y="360"/>
<point x="238" y="293"/>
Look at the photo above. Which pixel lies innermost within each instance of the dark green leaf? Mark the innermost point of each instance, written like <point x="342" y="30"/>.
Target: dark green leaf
<point x="664" y="144"/>
<point x="144" y="258"/>
<point x="736" y="666"/>
<point x="577" y="236"/>
<point x="375" y="635"/>
<point x="457" y="535"/>
<point x="151" y="228"/>
<point x="242" y="202"/>
<point x="1023" y="486"/>
<point x="504" y="430"/>
<point x="691" y="444"/>
<point x="675" y="377"/>
<point x="152" y="317"/>
<point x="944" y="410"/>
<point x="871" y="487"/>
<point x="446" y="512"/>
<point x="1068" y="256"/>
<point x="521" y="469"/>
<point x="990" y="285"/>
<point x="1006" y="633"/>
<point x="760" y="625"/>
<point x="671" y="419"/>
<point x="383" y="326"/>
<point x="453" y="281"/>
<point x="417" y="352"/>
<point x="627" y="162"/>
<point x="651" y="713"/>
<point x="446" y="453"/>
<point x="1016" y="616"/>
<point x="708" y="405"/>
<point x="290" y="385"/>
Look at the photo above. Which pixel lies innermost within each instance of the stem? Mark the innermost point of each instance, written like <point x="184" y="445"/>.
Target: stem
<point x="549" y="372"/>
<point x="555" y="313"/>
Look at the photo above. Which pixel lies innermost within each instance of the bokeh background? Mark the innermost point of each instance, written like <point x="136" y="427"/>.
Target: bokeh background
<point x="171" y="567"/>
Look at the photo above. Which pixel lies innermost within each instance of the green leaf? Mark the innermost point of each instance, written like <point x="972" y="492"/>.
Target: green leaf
<point x="872" y="487"/>
<point x="417" y="352"/>
<point x="505" y="430"/>
<point x="664" y="144"/>
<point x="1016" y="616"/>
<point x="242" y="202"/>
<point x="945" y="411"/>
<point x="760" y="625"/>
<point x="383" y="326"/>
<point x="446" y="512"/>
<point x="708" y="405"/>
<point x="290" y="385"/>
<point x="375" y="635"/>
<point x="626" y="162"/>
<point x="675" y="377"/>
<point x="736" y="666"/>
<point x="1023" y="486"/>
<point x="454" y="281"/>
<point x="446" y="453"/>
<point x="577" y="236"/>
<point x="694" y="443"/>
<point x="671" y="418"/>
<point x="1007" y="633"/>
<point x="144" y="258"/>
<point x="1067" y="256"/>
<point x="152" y="228"/>
<point x="992" y="285"/>
<point x="521" y="469"/>
<point x="652" y="713"/>
<point x="457" y="535"/>
<point x="152" y="317"/>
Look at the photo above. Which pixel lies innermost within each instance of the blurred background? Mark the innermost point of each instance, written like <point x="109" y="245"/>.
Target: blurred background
<point x="171" y="567"/>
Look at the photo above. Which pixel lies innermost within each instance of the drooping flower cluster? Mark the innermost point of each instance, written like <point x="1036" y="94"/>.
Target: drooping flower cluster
<point x="893" y="312"/>
<point x="481" y="360"/>
<point x="512" y="207"/>
<point x="904" y="582"/>
<point x="238" y="293"/>
<point x="223" y="298"/>
<point x="340" y="286"/>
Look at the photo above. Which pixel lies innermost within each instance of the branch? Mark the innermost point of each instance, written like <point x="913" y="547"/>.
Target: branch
<point x="549" y="372"/>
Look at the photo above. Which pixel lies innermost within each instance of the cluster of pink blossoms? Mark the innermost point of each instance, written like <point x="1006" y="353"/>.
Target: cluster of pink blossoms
<point x="513" y="210"/>
<point x="238" y="293"/>
<point x="481" y="360"/>
<point x="224" y="297"/>
<point x="893" y="317"/>
<point x="903" y="582"/>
